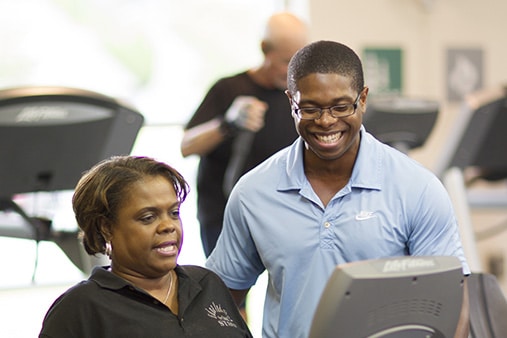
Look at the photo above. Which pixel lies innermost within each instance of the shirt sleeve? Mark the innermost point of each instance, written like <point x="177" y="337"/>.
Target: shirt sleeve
<point x="435" y="231"/>
<point x="235" y="258"/>
<point x="216" y="101"/>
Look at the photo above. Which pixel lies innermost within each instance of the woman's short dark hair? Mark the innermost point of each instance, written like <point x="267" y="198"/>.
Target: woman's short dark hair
<point x="101" y="190"/>
<point x="325" y="57"/>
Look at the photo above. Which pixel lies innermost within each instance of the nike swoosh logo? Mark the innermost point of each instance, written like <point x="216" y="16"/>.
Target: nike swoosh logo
<point x="363" y="215"/>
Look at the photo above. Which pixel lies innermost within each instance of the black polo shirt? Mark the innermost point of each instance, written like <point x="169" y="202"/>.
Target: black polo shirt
<point x="277" y="133"/>
<point x="106" y="305"/>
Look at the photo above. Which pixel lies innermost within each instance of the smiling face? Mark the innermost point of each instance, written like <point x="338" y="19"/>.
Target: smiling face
<point x="146" y="236"/>
<point x="329" y="138"/>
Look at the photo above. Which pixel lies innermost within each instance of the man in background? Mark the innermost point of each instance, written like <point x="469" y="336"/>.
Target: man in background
<point x="242" y="120"/>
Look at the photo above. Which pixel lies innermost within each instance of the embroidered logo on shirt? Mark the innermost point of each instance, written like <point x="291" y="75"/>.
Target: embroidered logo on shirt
<point x="363" y="215"/>
<point x="217" y="312"/>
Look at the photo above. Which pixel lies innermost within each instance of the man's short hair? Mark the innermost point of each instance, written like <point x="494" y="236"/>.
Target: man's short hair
<point x="325" y="57"/>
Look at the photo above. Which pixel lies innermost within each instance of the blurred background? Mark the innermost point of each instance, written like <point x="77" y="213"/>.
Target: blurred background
<point x="161" y="56"/>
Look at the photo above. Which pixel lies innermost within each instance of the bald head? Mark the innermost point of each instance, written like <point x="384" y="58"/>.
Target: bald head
<point x="285" y="34"/>
<point x="283" y="30"/>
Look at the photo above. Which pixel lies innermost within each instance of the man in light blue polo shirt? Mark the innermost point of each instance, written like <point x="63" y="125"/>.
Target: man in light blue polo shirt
<point x="335" y="195"/>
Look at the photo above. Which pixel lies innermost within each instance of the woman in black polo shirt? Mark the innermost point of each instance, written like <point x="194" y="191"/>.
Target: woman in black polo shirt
<point x="128" y="208"/>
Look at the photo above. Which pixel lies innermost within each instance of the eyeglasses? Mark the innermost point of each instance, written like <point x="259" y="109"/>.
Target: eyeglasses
<point x="314" y="113"/>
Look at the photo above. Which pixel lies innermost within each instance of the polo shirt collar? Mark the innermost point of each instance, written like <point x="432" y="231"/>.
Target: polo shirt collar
<point x="293" y="178"/>
<point x="188" y="287"/>
<point x="108" y="280"/>
<point x="369" y="158"/>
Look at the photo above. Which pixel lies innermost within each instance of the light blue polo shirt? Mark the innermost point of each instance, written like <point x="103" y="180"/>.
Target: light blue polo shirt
<point x="392" y="206"/>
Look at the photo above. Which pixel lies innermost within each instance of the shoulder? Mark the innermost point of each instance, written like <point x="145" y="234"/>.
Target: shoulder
<point x="81" y="291"/>
<point x="379" y="166"/>
<point x="197" y="273"/>
<point x="405" y="175"/>
<point x="88" y="291"/>
<point x="284" y="162"/>
<point x="70" y="311"/>
<point x="279" y="170"/>
<point x="201" y="277"/>
<point x="84" y="294"/>
<point x="232" y="80"/>
<point x="265" y="176"/>
<point x="393" y="159"/>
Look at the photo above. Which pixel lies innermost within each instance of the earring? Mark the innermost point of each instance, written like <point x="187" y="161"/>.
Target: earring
<point x="109" y="249"/>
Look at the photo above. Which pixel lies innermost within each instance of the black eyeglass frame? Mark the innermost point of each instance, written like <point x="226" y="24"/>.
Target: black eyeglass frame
<point x="320" y="110"/>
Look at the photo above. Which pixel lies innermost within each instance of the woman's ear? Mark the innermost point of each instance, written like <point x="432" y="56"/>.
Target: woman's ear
<point x="106" y="229"/>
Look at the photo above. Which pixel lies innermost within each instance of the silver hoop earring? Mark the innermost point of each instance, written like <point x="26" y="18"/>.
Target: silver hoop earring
<point x="109" y="249"/>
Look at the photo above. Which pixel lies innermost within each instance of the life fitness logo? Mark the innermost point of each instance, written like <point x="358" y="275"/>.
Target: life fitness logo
<point x="400" y="265"/>
<point x="41" y="113"/>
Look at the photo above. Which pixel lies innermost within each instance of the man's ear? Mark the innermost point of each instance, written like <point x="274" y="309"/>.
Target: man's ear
<point x="288" y="95"/>
<point x="266" y="47"/>
<point x="293" y="99"/>
<point x="365" y="94"/>
<point x="364" y="98"/>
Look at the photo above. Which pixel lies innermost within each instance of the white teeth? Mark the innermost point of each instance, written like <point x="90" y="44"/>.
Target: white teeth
<point x="167" y="248"/>
<point x="329" y="138"/>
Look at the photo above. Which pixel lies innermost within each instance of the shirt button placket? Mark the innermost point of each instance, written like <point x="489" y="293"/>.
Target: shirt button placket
<point x="326" y="236"/>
